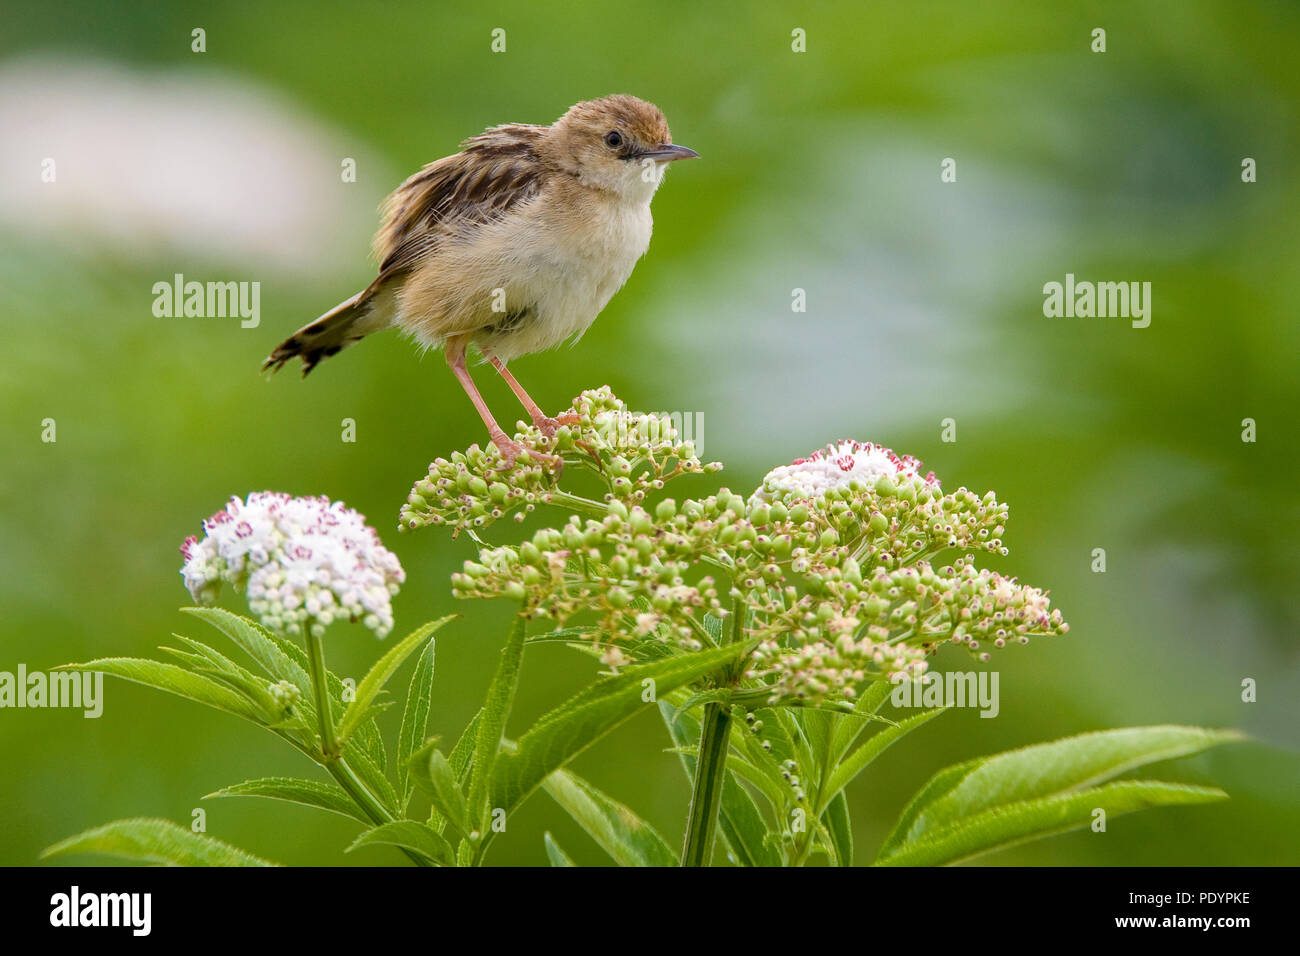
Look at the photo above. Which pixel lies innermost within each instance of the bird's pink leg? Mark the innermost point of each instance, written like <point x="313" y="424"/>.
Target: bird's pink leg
<point x="510" y="449"/>
<point x="545" y="424"/>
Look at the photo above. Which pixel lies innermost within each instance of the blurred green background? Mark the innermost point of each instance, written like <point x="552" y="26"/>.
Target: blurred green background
<point x="820" y="171"/>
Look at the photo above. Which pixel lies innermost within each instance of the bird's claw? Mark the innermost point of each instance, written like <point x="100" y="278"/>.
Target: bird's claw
<point x="549" y="426"/>
<point x="511" y="449"/>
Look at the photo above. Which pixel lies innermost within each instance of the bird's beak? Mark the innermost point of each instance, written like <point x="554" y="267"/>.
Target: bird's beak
<point x="667" y="153"/>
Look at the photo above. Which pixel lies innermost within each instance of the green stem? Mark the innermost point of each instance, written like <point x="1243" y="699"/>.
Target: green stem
<point x="331" y="753"/>
<point x="804" y="850"/>
<point x="706" y="795"/>
<point x="711" y="760"/>
<point x="320" y="683"/>
<point x="367" y="801"/>
<point x="577" y="502"/>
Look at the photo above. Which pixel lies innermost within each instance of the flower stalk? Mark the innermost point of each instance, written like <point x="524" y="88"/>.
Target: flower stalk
<point x="332" y="751"/>
<point x="320" y="684"/>
<point x="706" y="794"/>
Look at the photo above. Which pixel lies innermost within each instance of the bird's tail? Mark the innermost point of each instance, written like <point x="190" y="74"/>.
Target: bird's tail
<point x="347" y="323"/>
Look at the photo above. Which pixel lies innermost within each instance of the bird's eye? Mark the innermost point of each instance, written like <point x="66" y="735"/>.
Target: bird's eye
<point x="613" y="139"/>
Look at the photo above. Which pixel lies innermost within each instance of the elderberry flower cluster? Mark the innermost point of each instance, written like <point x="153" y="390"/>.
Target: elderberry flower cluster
<point x="304" y="562"/>
<point x="836" y="466"/>
<point x="826" y="569"/>
<point x="634" y="454"/>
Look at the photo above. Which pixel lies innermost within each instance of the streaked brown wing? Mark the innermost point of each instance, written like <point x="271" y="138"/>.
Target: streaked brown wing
<point x="494" y="171"/>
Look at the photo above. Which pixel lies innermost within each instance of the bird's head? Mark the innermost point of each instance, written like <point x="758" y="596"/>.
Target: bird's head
<point x="617" y="143"/>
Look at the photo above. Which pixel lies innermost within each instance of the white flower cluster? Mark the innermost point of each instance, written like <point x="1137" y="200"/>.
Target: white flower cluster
<point x="304" y="561"/>
<point x="837" y="466"/>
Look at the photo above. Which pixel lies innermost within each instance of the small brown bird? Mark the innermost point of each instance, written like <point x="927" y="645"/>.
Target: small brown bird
<point x="512" y="245"/>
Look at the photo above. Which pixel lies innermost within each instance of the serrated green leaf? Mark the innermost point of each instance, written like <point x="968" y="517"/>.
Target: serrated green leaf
<point x="370" y="775"/>
<point x="776" y="792"/>
<point x="763" y="767"/>
<point x="492" y="718"/>
<point x="176" y="680"/>
<point x="553" y="852"/>
<point x="415" y="720"/>
<point x="259" y="644"/>
<point x="189" y="660"/>
<point x="155" y="841"/>
<point x="564" y="635"/>
<point x="459" y="760"/>
<point x="367" y="737"/>
<point x="379" y="674"/>
<point x="282" y="659"/>
<point x="816" y="727"/>
<point x="572" y="727"/>
<point x="309" y="793"/>
<point x="1062" y="765"/>
<point x="870" y="749"/>
<point x="937" y="786"/>
<point x="840" y="829"/>
<point x="1011" y="823"/>
<point x="866" y="706"/>
<point x="432" y="773"/>
<point x="1021" y="794"/>
<point x="463" y="753"/>
<point x="234" y="675"/>
<point x="807" y="761"/>
<point x="411" y="835"/>
<point x="622" y="834"/>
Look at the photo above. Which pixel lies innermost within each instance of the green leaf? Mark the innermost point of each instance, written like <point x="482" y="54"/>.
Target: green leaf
<point x="310" y="793"/>
<point x="1031" y="790"/>
<point x="871" y="748"/>
<point x="155" y="841"/>
<point x="1061" y="765"/>
<point x="415" y="720"/>
<point x="492" y="718"/>
<point x="620" y="832"/>
<point x="572" y="727"/>
<point x="378" y="676"/>
<point x="790" y="726"/>
<point x="459" y="760"/>
<point x="840" y="828"/>
<point x="233" y="675"/>
<point x="763" y="767"/>
<point x="553" y="852"/>
<point x="1012" y="823"/>
<point x="739" y="819"/>
<point x="816" y="727"/>
<point x="258" y="643"/>
<point x="778" y="794"/>
<point x="285" y="660"/>
<point x="409" y="834"/>
<point x="463" y="753"/>
<point x="866" y="706"/>
<point x="937" y="786"/>
<point x="430" y="770"/>
<point x="370" y="775"/>
<point x="366" y="737"/>
<point x="176" y="680"/>
<point x="565" y="635"/>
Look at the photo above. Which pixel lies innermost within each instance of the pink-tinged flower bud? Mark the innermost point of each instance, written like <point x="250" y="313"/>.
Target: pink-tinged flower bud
<point x="837" y="467"/>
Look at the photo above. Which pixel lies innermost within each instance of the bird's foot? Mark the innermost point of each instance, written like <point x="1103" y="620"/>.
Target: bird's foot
<point x="549" y="426"/>
<point x="511" y="450"/>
